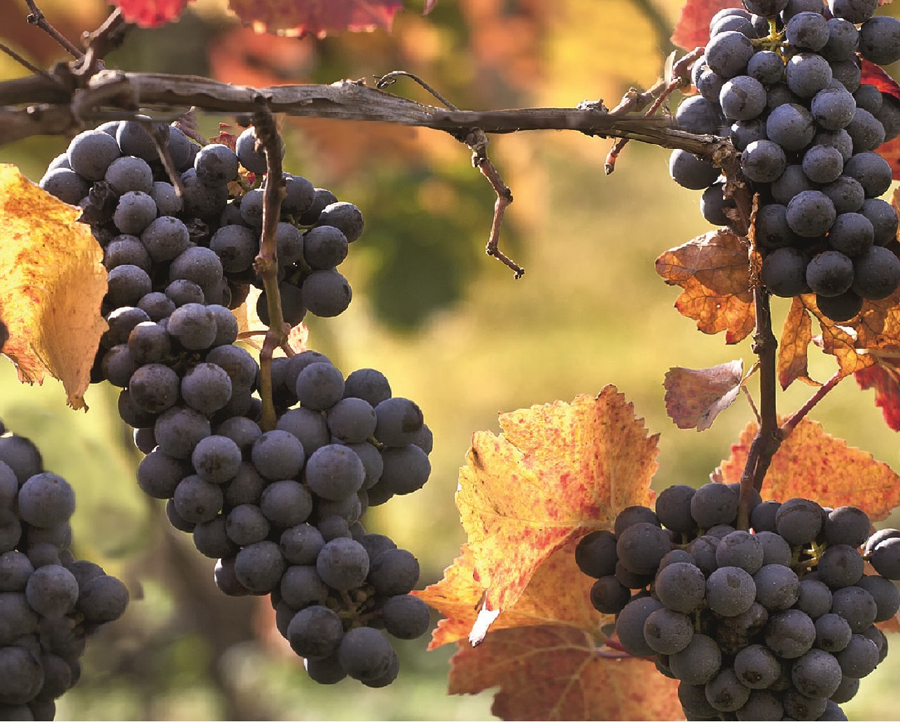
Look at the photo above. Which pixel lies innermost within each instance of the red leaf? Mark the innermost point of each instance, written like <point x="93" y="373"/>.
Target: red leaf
<point x="692" y="28"/>
<point x="694" y="397"/>
<point x="885" y="379"/>
<point x="150" y="13"/>
<point x="315" y="17"/>
<point x="874" y="75"/>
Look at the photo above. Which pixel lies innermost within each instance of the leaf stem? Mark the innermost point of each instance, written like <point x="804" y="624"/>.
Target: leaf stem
<point x="266" y="263"/>
<point x="790" y="424"/>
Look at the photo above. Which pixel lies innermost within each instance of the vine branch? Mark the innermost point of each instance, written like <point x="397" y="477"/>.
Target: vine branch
<point x="38" y="106"/>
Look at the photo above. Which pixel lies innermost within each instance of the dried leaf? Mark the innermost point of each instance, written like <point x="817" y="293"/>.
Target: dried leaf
<point x="815" y="465"/>
<point x="52" y="283"/>
<point x="714" y="271"/>
<point x="558" y="593"/>
<point x="554" y="473"/>
<point x="694" y="397"/>
<point x="796" y="336"/>
<point x="853" y="342"/>
<point x="884" y="377"/>
<point x="150" y="13"/>
<point x="692" y="28"/>
<point x="555" y="673"/>
<point x="315" y="17"/>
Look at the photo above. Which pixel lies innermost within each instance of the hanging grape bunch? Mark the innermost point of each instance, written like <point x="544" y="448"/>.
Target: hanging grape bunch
<point x="279" y="509"/>
<point x="50" y="603"/>
<point x="783" y="81"/>
<point x="778" y="623"/>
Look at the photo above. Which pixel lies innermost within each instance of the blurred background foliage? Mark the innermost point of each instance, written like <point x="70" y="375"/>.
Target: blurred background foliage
<point x="449" y="326"/>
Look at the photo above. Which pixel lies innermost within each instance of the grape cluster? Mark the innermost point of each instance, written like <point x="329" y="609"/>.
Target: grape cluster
<point x="777" y="623"/>
<point x="280" y="508"/>
<point x="49" y="602"/>
<point x="782" y="80"/>
<point x="164" y="250"/>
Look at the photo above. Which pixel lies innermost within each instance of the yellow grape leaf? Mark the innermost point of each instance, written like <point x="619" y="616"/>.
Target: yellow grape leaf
<point x="544" y="653"/>
<point x="815" y="465"/>
<point x="694" y="397"/>
<point x="796" y="336"/>
<point x="714" y="273"/>
<point x="556" y="673"/>
<point x="52" y="282"/>
<point x="556" y="472"/>
<point x="558" y="593"/>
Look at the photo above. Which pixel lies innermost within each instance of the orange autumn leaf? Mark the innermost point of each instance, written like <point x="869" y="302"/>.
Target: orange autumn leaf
<point x="315" y="17"/>
<point x="815" y="465"/>
<point x="558" y="593"/>
<point x="852" y="343"/>
<point x="52" y="282"/>
<point x="555" y="673"/>
<point x="694" y="397"/>
<point x="796" y="336"/>
<point x="714" y="273"/>
<point x="555" y="472"/>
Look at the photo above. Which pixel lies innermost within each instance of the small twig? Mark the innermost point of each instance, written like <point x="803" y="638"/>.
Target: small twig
<point x="266" y="263"/>
<point x="386" y="81"/>
<point x="477" y="141"/>
<point x="791" y="422"/>
<point x="635" y="101"/>
<point x="99" y="42"/>
<point x="504" y="198"/>
<point x="160" y="137"/>
<point x="752" y="403"/>
<point x="38" y="19"/>
<point x="22" y="61"/>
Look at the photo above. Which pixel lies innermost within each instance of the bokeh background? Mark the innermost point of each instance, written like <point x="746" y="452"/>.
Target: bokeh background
<point x="450" y="327"/>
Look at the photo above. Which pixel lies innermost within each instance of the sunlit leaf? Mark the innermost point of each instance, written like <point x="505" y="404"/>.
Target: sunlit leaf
<point x="52" y="282"/>
<point x="150" y="13"/>
<point x="714" y="273"/>
<point x="694" y="397"/>
<point x="793" y="346"/>
<point x="315" y="17"/>
<point x="558" y="593"/>
<point x="556" y="673"/>
<point x="555" y="472"/>
<point x="815" y="465"/>
<point x="692" y="28"/>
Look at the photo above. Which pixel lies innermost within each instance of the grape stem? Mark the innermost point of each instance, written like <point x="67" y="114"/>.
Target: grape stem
<point x="266" y="263"/>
